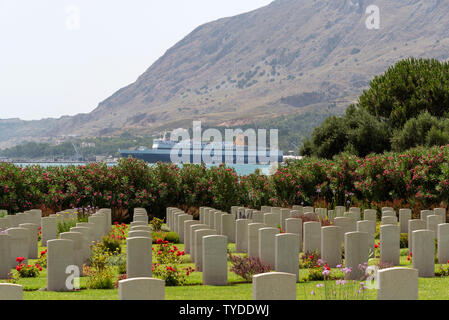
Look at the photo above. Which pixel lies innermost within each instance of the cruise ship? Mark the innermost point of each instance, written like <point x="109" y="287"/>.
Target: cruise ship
<point x="203" y="152"/>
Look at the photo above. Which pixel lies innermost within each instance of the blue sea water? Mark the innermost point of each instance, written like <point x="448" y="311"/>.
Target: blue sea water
<point x="241" y="169"/>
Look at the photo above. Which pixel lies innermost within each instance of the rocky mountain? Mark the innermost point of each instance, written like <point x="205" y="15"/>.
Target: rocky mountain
<point x="290" y="57"/>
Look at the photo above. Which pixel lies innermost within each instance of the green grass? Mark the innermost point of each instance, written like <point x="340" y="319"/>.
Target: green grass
<point x="238" y="289"/>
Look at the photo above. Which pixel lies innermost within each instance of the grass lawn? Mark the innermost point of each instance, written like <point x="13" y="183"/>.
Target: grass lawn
<point x="238" y="289"/>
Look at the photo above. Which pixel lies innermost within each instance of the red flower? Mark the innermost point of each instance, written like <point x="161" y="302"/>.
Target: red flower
<point x="20" y="259"/>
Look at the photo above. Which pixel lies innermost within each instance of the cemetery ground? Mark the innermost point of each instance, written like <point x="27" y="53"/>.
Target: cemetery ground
<point x="237" y="289"/>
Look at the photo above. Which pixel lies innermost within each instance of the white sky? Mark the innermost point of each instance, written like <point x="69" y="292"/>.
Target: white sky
<point x="50" y="67"/>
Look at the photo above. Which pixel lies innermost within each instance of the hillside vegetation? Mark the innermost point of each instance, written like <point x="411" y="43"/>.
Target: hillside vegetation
<point x="289" y="58"/>
<point x="405" y="107"/>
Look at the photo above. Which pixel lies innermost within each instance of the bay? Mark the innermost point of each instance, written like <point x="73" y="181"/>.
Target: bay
<point x="241" y="169"/>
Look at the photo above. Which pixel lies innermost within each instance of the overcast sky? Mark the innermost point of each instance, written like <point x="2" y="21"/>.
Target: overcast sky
<point x="60" y="57"/>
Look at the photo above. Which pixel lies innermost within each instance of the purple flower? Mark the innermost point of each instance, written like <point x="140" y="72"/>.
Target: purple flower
<point x="312" y="293"/>
<point x="346" y="270"/>
<point x="319" y="285"/>
<point x="326" y="272"/>
<point x="363" y="266"/>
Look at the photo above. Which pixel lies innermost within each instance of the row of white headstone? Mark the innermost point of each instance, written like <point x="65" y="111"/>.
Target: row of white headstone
<point x="394" y="284"/>
<point x="71" y="249"/>
<point x="207" y="245"/>
<point x="263" y="240"/>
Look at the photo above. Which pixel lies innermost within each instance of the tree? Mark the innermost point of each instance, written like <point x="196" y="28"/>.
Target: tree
<point x="366" y="133"/>
<point x="331" y="138"/>
<point x="405" y="107"/>
<point x="425" y="130"/>
<point x="408" y="88"/>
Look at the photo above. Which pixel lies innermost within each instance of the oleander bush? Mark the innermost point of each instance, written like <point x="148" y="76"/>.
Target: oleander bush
<point x="416" y="179"/>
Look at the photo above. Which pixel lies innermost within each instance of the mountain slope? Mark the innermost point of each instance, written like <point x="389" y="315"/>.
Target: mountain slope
<point x="293" y="56"/>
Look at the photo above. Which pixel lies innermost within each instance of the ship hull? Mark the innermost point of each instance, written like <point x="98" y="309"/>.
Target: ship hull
<point x="155" y="156"/>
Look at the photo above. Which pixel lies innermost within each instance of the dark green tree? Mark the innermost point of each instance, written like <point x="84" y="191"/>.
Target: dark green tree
<point x="408" y="88"/>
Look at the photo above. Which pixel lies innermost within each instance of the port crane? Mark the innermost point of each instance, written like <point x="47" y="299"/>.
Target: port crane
<point x="78" y="155"/>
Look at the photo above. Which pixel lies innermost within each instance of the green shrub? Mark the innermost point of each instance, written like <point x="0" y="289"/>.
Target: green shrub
<point x="156" y="224"/>
<point x="99" y="274"/>
<point x="99" y="256"/>
<point x="112" y="244"/>
<point x="247" y="267"/>
<point x="314" y="274"/>
<point x="83" y="218"/>
<point x="403" y="240"/>
<point x="172" y="237"/>
<point x="27" y="270"/>
<point x="65" y="226"/>
<point x="42" y="261"/>
<point x="309" y="260"/>
<point x="442" y="271"/>
<point x="172" y="275"/>
<point x="118" y="261"/>
<point x="99" y="279"/>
